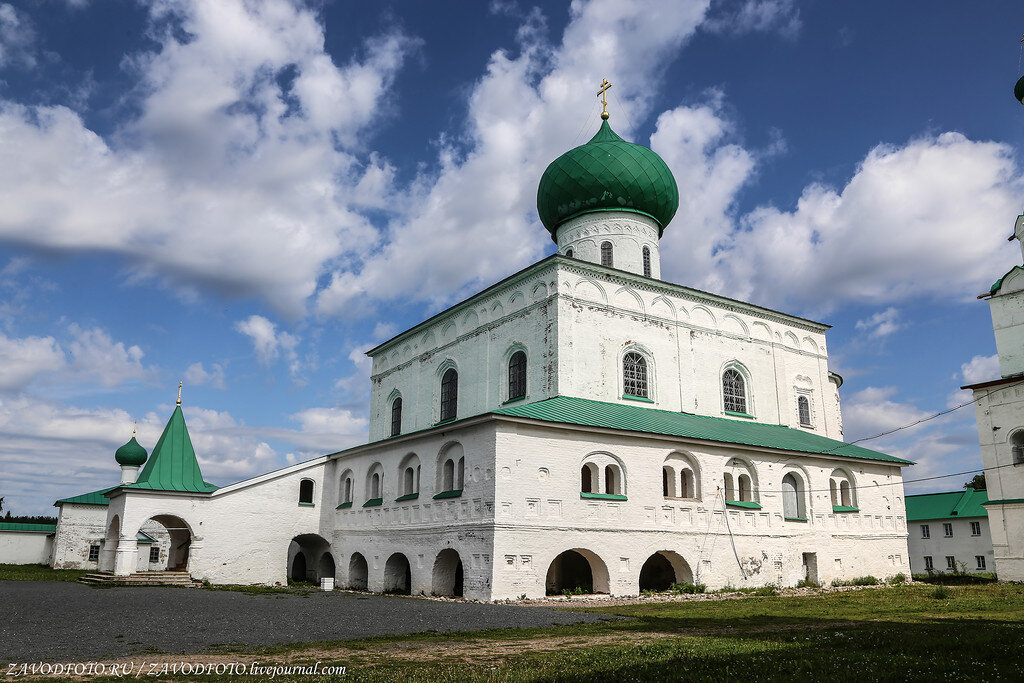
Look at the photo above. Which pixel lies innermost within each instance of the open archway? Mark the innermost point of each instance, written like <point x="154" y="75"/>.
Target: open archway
<point x="662" y="569"/>
<point x="358" y="572"/>
<point x="110" y="541"/>
<point x="306" y="558"/>
<point x="576" y="571"/>
<point x="398" y="575"/>
<point x="447" y="577"/>
<point x="173" y="541"/>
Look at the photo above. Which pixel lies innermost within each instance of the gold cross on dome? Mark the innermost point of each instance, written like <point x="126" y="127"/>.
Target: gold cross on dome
<point x="604" y="100"/>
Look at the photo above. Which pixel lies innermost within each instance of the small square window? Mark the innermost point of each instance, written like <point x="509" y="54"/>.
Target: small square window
<point x="980" y="559"/>
<point x="975" y="528"/>
<point x="928" y="565"/>
<point x="154" y="554"/>
<point x="950" y="562"/>
<point x="947" y="529"/>
<point x="94" y="553"/>
<point x="925" y="531"/>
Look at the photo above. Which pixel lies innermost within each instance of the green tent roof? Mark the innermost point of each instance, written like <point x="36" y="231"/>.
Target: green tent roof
<point x="607" y="174"/>
<point x="951" y="505"/>
<point x="589" y="413"/>
<point x="173" y="465"/>
<point x="24" y="526"/>
<point x="94" y="498"/>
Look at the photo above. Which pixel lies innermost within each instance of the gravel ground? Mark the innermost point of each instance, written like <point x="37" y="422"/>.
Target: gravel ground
<point x="68" y="622"/>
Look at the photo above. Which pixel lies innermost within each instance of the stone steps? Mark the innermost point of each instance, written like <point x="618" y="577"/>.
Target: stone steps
<point x="140" y="579"/>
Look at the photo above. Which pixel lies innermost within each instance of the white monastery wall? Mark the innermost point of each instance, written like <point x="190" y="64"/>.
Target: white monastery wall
<point x="962" y="545"/>
<point x="1007" y="309"/>
<point x="477" y="338"/>
<point x="78" y="527"/>
<point x="628" y="233"/>
<point x="540" y="513"/>
<point x="25" y="547"/>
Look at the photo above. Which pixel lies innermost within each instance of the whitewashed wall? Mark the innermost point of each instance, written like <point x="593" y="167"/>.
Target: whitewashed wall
<point x="962" y="545"/>
<point x="78" y="527"/>
<point x="25" y="547"/>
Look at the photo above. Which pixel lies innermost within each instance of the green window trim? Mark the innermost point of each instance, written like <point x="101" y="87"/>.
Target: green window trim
<point x="743" y="504"/>
<point x="448" y="494"/>
<point x="642" y="399"/>
<point x="373" y="502"/>
<point x="408" y="496"/>
<point x="307" y="505"/>
<point x="844" y="508"/>
<point x="444" y="422"/>
<point x="746" y="416"/>
<point x="344" y="506"/>
<point x="795" y="519"/>
<point x="517" y="399"/>
<point x="603" y="496"/>
<point x="1004" y="501"/>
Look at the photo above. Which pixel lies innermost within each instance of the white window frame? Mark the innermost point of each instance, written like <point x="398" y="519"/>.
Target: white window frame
<point x="926" y="531"/>
<point x="980" y="562"/>
<point x="950" y="562"/>
<point x="975" y="528"/>
<point x="929" y="564"/>
<point x="947" y="530"/>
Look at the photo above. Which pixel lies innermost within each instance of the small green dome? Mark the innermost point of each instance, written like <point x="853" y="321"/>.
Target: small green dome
<point x="131" y="454"/>
<point x="1018" y="90"/>
<point x="607" y="174"/>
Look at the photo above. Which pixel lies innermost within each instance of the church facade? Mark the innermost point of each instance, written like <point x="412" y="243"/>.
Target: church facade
<point x="580" y="426"/>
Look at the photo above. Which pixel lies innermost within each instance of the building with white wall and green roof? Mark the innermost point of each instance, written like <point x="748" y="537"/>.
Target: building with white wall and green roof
<point x="579" y="425"/>
<point x="949" y="532"/>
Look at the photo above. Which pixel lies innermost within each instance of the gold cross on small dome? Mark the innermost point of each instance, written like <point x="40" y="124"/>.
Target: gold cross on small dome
<point x="604" y="100"/>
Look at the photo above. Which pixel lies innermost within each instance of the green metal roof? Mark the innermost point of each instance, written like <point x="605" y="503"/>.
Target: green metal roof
<point x="579" y="411"/>
<point x="173" y="465"/>
<point x="94" y="498"/>
<point x="23" y="526"/>
<point x="999" y="283"/>
<point x="951" y="505"/>
<point x="607" y="174"/>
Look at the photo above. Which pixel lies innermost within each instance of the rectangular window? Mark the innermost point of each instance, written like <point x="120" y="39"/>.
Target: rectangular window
<point x="975" y="528"/>
<point x="94" y="553"/>
<point x="947" y="529"/>
<point x="950" y="562"/>
<point x="154" y="553"/>
<point x="925" y="531"/>
<point x="980" y="559"/>
<point x="928" y="566"/>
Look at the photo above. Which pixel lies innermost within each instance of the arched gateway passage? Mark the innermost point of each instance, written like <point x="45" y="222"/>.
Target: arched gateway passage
<point x="662" y="569"/>
<point x="398" y="575"/>
<point x="179" y="541"/>
<point x="309" y="558"/>
<point x="447" y="577"/>
<point x="358" y="572"/>
<point x="577" y="571"/>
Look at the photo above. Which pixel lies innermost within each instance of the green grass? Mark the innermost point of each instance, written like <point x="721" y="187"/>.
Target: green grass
<point x="39" y="572"/>
<point x="891" y="633"/>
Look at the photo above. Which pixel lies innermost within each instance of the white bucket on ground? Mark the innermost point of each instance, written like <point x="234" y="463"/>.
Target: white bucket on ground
<point x="327" y="584"/>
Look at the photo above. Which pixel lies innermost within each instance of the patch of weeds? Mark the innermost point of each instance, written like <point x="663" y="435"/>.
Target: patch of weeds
<point x="575" y="590"/>
<point x="523" y="596"/>
<point x="941" y="593"/>
<point x="687" y="588"/>
<point x="766" y="591"/>
<point x="898" y="579"/>
<point x="39" y="572"/>
<point x="807" y="583"/>
<point x="858" y="581"/>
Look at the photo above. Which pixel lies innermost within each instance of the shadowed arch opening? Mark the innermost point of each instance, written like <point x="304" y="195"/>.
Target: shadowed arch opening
<point x="448" y="575"/>
<point x="662" y="569"/>
<point x="326" y="567"/>
<point x="305" y="558"/>
<point x="577" y="571"/>
<point x="180" y="540"/>
<point x="358" y="572"/>
<point x="398" y="575"/>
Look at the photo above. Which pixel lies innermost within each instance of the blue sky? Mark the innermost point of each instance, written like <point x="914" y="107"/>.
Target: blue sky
<point x="248" y="195"/>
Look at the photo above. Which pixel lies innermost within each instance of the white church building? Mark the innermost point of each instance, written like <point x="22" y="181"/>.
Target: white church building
<point x="581" y="425"/>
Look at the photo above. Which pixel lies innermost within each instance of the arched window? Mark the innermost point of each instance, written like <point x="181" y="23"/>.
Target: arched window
<point x="345" y="488"/>
<point x="792" y="497"/>
<point x="348" y="490"/>
<point x="730" y="491"/>
<point x="306" y="491"/>
<point x="396" y="416"/>
<point x="1017" y="447"/>
<point x="449" y="394"/>
<point x="588" y="478"/>
<point x="647" y="262"/>
<point x="746" y="494"/>
<point x="517" y="375"/>
<point x="844" y="493"/>
<point x="375" y="488"/>
<point x="411" y="476"/>
<point x="449" y="475"/>
<point x="833" y="490"/>
<point x="687" y="485"/>
<point x="634" y="375"/>
<point x="668" y="480"/>
<point x="612" y="481"/>
<point x="460" y="474"/>
<point x="606" y="254"/>
<point x="568" y="252"/>
<point x="842" y="490"/>
<point x="734" y="391"/>
<point x="803" y="407"/>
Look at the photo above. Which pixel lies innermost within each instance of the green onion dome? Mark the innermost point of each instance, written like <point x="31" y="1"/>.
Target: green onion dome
<point x="607" y="174"/>
<point x="131" y="454"/>
<point x="1018" y="90"/>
